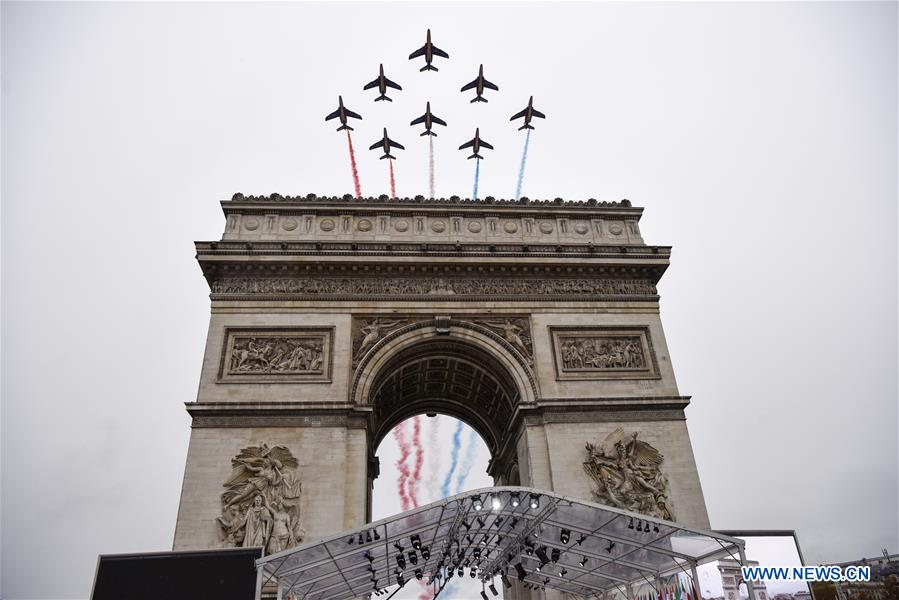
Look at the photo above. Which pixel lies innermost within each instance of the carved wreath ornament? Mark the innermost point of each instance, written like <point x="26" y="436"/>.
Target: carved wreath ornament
<point x="627" y="475"/>
<point x="261" y="503"/>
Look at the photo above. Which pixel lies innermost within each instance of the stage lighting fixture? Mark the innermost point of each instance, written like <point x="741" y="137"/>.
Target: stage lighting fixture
<point x="426" y="553"/>
<point x="468" y="537"/>
<point x="416" y="541"/>
<point x="513" y="523"/>
<point x="515" y="499"/>
<point x="521" y="572"/>
<point x="535" y="501"/>
<point x="473" y="572"/>
<point x="400" y="580"/>
<point x="371" y="568"/>
<point x="611" y="545"/>
<point x="541" y="554"/>
<point x="401" y="561"/>
<point x="368" y="536"/>
<point x="655" y="528"/>
<point x="361" y="539"/>
<point x="505" y="580"/>
<point x="418" y="574"/>
<point x="631" y="524"/>
<point x="563" y="572"/>
<point x="564" y="536"/>
<point x="545" y="581"/>
<point x="493" y="589"/>
<point x="369" y="556"/>
<point x="484" y="539"/>
<point x="377" y="535"/>
<point x="640" y="526"/>
<point x="460" y="572"/>
<point x="583" y="561"/>
<point x="398" y="547"/>
<point x="481" y="522"/>
<point x="498" y="521"/>
<point x="476" y="502"/>
<point x="413" y="558"/>
<point x="351" y="540"/>
<point x="581" y="539"/>
<point x="495" y="502"/>
<point x="556" y="555"/>
<point x="466" y="525"/>
<point x="484" y="595"/>
<point x="477" y="553"/>
<point x="529" y="550"/>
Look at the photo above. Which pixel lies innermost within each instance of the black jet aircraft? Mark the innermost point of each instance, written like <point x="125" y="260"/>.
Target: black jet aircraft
<point x="478" y="85"/>
<point x="382" y="83"/>
<point x="528" y="113"/>
<point x="342" y="113"/>
<point x="476" y="143"/>
<point x="429" y="51"/>
<point x="385" y="144"/>
<point x="429" y="120"/>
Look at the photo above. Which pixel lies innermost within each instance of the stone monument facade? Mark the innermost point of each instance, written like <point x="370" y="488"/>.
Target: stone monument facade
<point x="333" y="319"/>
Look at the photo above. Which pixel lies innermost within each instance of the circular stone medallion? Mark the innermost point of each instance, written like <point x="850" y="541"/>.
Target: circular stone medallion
<point x="251" y="224"/>
<point x="438" y="226"/>
<point x="401" y="226"/>
<point x="616" y="229"/>
<point x="546" y="227"/>
<point x="364" y="225"/>
<point x="510" y="226"/>
<point x="326" y="225"/>
<point x="289" y="225"/>
<point x="581" y="227"/>
<point x="474" y="227"/>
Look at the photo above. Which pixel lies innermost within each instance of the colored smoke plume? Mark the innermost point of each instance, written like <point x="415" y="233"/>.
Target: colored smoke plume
<point x="392" y="179"/>
<point x="468" y="461"/>
<point x="399" y="433"/>
<point x="454" y="460"/>
<point x="477" y="176"/>
<point x="524" y="158"/>
<point x="356" y="186"/>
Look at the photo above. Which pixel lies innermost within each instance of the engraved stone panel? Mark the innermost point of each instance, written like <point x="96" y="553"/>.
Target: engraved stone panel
<point x="276" y="355"/>
<point x="603" y="353"/>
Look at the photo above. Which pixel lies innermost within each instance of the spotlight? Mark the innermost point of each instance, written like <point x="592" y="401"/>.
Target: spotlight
<point x="460" y="572"/>
<point x="401" y="561"/>
<point x="556" y="555"/>
<point x="481" y="522"/>
<point x="401" y="580"/>
<point x="498" y="521"/>
<point x="640" y="526"/>
<point x="515" y="499"/>
<point x="484" y="595"/>
<point x="529" y="550"/>
<point x="505" y="580"/>
<point x="369" y="556"/>
<point x="398" y="547"/>
<point x="361" y="539"/>
<point x="581" y="538"/>
<point x="655" y="528"/>
<point x="583" y="561"/>
<point x="473" y="572"/>
<point x="377" y="535"/>
<point x="521" y="572"/>
<point x="513" y="523"/>
<point x="631" y="524"/>
<point x="541" y="554"/>
<point x="426" y="553"/>
<point x="477" y="554"/>
<point x="413" y="558"/>
<point x="535" y="501"/>
<point x="563" y="572"/>
<point x="476" y="502"/>
<point x="368" y="536"/>
<point x="351" y="540"/>
<point x="416" y="541"/>
<point x="611" y="545"/>
<point x="418" y="574"/>
<point x="493" y="589"/>
<point x="466" y="525"/>
<point x="545" y="581"/>
<point x="565" y="536"/>
<point x="468" y="537"/>
<point x="484" y="540"/>
<point x="495" y="502"/>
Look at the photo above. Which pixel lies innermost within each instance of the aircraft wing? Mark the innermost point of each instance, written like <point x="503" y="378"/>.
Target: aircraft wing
<point x="469" y="86"/>
<point x="438" y="120"/>
<point x="491" y="86"/>
<point x="334" y="115"/>
<point x="417" y="53"/>
<point x="376" y="145"/>
<point x="486" y="145"/>
<point x="468" y="144"/>
<point x="350" y="113"/>
<point x="519" y="114"/>
<point x="395" y="145"/>
<point x="420" y="119"/>
<point x="537" y="113"/>
<point x="438" y="52"/>
<point x="392" y="84"/>
<point x="370" y="85"/>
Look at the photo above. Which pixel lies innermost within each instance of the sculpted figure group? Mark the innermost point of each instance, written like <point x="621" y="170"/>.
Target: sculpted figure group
<point x="627" y="475"/>
<point x="261" y="505"/>
<point x="276" y="355"/>
<point x="602" y="353"/>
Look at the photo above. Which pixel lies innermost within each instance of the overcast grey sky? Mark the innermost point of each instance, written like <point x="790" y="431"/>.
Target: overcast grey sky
<point x="760" y="138"/>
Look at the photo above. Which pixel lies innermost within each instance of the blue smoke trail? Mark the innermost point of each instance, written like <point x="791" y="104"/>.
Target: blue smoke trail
<point x="477" y="175"/>
<point x="454" y="459"/>
<point x="524" y="157"/>
<point x="468" y="461"/>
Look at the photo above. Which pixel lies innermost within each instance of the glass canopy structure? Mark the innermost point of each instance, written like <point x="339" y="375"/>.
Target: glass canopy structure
<point x="499" y="535"/>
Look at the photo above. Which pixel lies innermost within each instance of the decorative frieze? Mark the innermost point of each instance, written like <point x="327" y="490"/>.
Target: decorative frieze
<point x="628" y="475"/>
<point x="395" y="287"/>
<point x="603" y="353"/>
<point x="297" y="354"/>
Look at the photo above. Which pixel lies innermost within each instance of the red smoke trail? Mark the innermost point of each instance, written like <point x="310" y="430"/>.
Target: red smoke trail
<point x="358" y="188"/>
<point x="399" y="433"/>
<point x="419" y="461"/>
<point x="392" y="179"/>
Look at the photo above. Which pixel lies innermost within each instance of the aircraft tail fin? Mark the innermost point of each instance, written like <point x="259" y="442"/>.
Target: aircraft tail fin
<point x="525" y="127"/>
<point x="428" y="68"/>
<point x="347" y="127"/>
<point x="478" y="99"/>
<point x="387" y="156"/>
<point x="429" y="132"/>
<point x="475" y="156"/>
<point x="383" y="97"/>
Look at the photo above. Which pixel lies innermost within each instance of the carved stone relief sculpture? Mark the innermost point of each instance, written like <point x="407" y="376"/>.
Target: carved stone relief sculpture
<point x="516" y="331"/>
<point x="367" y="333"/>
<point x="627" y="475"/>
<point x="603" y="353"/>
<point x="261" y="502"/>
<point x="295" y="354"/>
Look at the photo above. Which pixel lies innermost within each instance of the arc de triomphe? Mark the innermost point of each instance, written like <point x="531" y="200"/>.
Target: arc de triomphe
<point x="333" y="319"/>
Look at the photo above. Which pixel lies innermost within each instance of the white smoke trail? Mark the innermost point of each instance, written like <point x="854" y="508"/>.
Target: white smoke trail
<point x="431" y="165"/>
<point x="434" y="454"/>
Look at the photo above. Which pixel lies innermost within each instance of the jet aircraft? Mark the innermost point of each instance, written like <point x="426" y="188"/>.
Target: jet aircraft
<point x="476" y="143"/>
<point x="429" y="51"/>
<point x="342" y="113"/>
<point x="528" y="113"/>
<point x="429" y="120"/>
<point x="382" y="83"/>
<point x="385" y="144"/>
<point x="478" y="85"/>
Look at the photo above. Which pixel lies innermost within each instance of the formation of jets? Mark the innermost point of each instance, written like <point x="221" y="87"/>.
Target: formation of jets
<point x="428" y="119"/>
